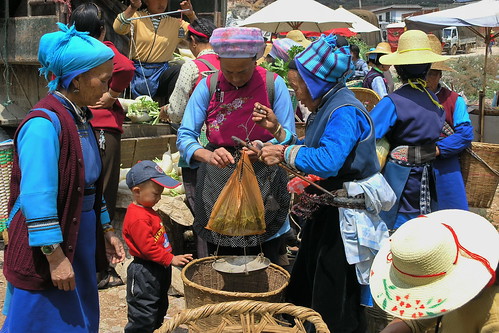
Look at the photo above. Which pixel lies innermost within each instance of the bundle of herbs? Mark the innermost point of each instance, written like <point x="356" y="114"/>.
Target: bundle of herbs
<point x="281" y="67"/>
<point x="144" y="110"/>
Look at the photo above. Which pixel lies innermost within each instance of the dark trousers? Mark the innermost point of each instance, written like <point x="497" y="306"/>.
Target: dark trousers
<point x="321" y="277"/>
<point x="147" y="295"/>
<point x="111" y="160"/>
<point x="167" y="82"/>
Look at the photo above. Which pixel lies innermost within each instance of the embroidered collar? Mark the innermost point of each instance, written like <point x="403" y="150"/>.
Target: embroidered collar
<point x="80" y="115"/>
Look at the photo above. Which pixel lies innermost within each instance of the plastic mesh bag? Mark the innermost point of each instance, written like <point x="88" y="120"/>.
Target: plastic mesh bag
<point x="239" y="210"/>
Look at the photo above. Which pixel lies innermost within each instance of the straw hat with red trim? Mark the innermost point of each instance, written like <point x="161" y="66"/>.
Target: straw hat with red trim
<point x="413" y="48"/>
<point x="435" y="264"/>
<point x="436" y="46"/>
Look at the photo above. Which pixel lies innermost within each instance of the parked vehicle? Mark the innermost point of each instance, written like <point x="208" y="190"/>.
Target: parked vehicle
<point x="458" y="38"/>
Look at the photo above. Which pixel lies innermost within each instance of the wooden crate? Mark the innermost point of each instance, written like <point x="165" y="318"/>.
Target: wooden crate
<point x="145" y="148"/>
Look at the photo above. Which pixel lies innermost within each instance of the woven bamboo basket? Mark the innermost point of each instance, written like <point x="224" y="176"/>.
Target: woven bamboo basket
<point x="204" y="285"/>
<point x="247" y="316"/>
<point x="481" y="182"/>
<point x="6" y="161"/>
<point x="367" y="96"/>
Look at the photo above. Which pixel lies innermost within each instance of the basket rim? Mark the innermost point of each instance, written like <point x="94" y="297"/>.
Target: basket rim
<point x="189" y="283"/>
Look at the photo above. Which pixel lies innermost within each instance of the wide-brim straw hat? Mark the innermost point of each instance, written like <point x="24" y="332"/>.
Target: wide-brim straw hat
<point x="423" y="270"/>
<point x="413" y="48"/>
<point x="381" y="48"/>
<point x="436" y="46"/>
<point x="298" y="37"/>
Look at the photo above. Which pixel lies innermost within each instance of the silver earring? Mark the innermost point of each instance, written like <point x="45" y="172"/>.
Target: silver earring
<point x="76" y="90"/>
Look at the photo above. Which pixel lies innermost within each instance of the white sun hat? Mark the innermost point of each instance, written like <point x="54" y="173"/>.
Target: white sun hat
<point x="434" y="264"/>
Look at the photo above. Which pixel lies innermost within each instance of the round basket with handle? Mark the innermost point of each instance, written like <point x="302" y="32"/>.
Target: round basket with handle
<point x="480" y="166"/>
<point x="247" y="316"/>
<point x="6" y="161"/>
<point x="367" y="96"/>
<point x="204" y="285"/>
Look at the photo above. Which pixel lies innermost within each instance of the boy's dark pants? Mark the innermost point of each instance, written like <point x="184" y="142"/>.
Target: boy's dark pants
<point x="147" y="295"/>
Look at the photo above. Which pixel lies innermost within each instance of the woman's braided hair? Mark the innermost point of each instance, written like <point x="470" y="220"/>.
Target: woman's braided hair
<point x="203" y="25"/>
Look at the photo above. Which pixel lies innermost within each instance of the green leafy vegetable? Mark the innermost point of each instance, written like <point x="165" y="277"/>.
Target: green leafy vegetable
<point x="281" y="67"/>
<point x="144" y="106"/>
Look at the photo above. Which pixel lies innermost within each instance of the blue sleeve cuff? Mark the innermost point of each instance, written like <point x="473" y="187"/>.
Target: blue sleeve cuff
<point x="289" y="139"/>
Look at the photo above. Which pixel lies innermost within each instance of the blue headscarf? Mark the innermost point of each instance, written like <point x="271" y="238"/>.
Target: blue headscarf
<point x="68" y="53"/>
<point x="322" y="65"/>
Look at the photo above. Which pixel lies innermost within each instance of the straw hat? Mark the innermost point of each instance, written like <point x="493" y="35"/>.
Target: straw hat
<point x="413" y="48"/>
<point x="298" y="37"/>
<point x="436" y="46"/>
<point x="434" y="264"/>
<point x="381" y="48"/>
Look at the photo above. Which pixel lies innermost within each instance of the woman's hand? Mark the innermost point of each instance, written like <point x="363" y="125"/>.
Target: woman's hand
<point x="163" y="114"/>
<point x="272" y="154"/>
<point x="253" y="156"/>
<point x="105" y="102"/>
<point x="186" y="4"/>
<point x="265" y="117"/>
<point x="114" y="248"/>
<point x="220" y="157"/>
<point x="135" y="4"/>
<point x="61" y="271"/>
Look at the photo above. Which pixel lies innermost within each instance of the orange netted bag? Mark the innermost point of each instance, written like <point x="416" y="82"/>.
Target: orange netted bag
<point x="239" y="210"/>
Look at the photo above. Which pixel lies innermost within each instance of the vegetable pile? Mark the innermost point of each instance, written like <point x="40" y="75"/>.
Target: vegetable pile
<point x="169" y="164"/>
<point x="144" y="110"/>
<point x="281" y="67"/>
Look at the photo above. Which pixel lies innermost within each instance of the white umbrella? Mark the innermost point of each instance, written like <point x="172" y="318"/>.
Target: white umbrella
<point x="358" y="24"/>
<point x="484" y="13"/>
<point x="306" y="15"/>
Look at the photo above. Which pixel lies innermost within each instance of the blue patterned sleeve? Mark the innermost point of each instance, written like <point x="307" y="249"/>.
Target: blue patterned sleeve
<point x="345" y="128"/>
<point x="104" y="213"/>
<point x="384" y="116"/>
<point x="38" y="148"/>
<point x="283" y="109"/>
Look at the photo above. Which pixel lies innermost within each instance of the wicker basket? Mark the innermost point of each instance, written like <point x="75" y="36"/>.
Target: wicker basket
<point x="247" y="316"/>
<point x="367" y="96"/>
<point x="481" y="183"/>
<point x="6" y="155"/>
<point x="203" y="285"/>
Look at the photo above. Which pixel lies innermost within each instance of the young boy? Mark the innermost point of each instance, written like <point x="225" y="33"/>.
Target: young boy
<point x="149" y="274"/>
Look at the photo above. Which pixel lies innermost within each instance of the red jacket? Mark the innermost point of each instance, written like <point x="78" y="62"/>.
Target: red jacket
<point x="146" y="236"/>
<point x="123" y="71"/>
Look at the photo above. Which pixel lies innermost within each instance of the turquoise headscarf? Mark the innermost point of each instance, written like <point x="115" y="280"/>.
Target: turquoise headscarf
<point x="68" y="53"/>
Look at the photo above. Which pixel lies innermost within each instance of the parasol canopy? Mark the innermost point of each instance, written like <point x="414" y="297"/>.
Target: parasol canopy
<point x="358" y="24"/>
<point x="483" y="14"/>
<point x="285" y="15"/>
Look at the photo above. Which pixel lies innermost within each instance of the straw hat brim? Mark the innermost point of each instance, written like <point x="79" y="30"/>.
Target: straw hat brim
<point x="412" y="58"/>
<point x="447" y="292"/>
<point x="442" y="66"/>
<point x="378" y="51"/>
